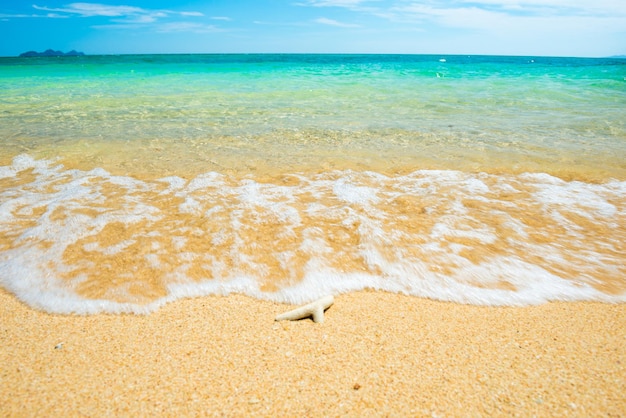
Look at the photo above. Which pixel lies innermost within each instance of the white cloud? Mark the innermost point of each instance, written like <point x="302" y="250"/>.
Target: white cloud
<point x="494" y="20"/>
<point x="492" y="16"/>
<point x="131" y="17"/>
<point x="137" y="14"/>
<point x="520" y="28"/>
<point x="331" y="22"/>
<point x="186" y="27"/>
<point x="466" y="17"/>
<point x="145" y="19"/>
<point x="95" y="9"/>
<point x="6" y="17"/>
<point x="562" y="7"/>
<point x="353" y="5"/>
<point x="398" y="9"/>
<point x="335" y="3"/>
<point x="571" y="27"/>
<point x="191" y="14"/>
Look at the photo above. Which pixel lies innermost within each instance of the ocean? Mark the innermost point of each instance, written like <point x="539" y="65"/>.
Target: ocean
<point x="130" y="181"/>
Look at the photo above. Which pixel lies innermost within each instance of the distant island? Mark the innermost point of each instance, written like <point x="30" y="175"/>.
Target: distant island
<point x="52" y="53"/>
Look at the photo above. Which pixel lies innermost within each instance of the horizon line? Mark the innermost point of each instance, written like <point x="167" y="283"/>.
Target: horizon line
<point x="618" y="56"/>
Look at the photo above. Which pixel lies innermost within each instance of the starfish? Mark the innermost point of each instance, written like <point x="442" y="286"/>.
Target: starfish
<point x="315" y="309"/>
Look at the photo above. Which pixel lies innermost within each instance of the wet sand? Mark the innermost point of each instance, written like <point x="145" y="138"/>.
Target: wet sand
<point x="376" y="354"/>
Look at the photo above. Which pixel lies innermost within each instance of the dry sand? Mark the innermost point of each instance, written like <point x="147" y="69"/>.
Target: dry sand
<point x="376" y="354"/>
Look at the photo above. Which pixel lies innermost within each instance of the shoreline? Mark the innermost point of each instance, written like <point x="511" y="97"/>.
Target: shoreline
<point x="375" y="354"/>
<point x="268" y="162"/>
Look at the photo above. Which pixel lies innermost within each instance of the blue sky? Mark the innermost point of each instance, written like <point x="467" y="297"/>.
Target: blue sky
<point x="504" y="27"/>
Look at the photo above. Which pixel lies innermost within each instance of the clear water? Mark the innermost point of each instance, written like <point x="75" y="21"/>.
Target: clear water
<point x="130" y="181"/>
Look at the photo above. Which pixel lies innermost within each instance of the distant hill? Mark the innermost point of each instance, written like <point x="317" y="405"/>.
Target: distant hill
<point x="52" y="53"/>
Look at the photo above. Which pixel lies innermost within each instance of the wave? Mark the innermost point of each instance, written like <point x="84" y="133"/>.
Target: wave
<point x="76" y="241"/>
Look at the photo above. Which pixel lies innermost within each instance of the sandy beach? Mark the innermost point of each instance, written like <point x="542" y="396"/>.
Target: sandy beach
<point x="376" y="354"/>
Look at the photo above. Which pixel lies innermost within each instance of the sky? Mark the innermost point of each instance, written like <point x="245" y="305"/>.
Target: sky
<point x="583" y="28"/>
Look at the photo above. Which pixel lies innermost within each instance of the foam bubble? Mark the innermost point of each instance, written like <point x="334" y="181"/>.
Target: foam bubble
<point x="354" y="194"/>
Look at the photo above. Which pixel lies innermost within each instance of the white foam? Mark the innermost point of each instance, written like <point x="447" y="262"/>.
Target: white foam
<point x="354" y="201"/>
<point x="203" y="181"/>
<point x="354" y="194"/>
<point x="174" y="182"/>
<point x="179" y="243"/>
<point x="20" y="163"/>
<point x="578" y="197"/>
<point x="442" y="231"/>
<point x="476" y="186"/>
<point x="190" y="205"/>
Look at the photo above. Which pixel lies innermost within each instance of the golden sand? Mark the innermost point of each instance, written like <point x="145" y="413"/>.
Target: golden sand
<point x="376" y="354"/>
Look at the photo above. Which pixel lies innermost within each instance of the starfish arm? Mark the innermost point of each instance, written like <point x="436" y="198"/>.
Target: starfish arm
<point x="315" y="309"/>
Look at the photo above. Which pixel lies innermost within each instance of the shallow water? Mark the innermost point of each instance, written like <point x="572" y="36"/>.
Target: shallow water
<point x="126" y="182"/>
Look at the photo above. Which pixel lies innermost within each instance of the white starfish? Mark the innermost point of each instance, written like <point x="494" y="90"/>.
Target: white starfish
<point x="315" y="309"/>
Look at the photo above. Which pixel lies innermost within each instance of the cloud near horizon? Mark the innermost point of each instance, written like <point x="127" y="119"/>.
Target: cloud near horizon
<point x="507" y="18"/>
<point x="485" y="13"/>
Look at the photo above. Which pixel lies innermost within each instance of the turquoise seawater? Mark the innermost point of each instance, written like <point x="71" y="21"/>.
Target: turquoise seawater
<point x="129" y="181"/>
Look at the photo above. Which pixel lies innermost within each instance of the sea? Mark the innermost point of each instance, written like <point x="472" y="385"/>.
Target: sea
<point x="129" y="181"/>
